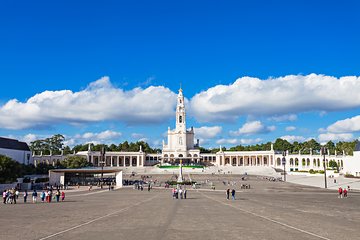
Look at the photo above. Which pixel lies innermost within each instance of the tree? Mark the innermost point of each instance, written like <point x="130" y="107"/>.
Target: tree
<point x="204" y="150"/>
<point x="282" y="145"/>
<point x="52" y="144"/>
<point x="43" y="168"/>
<point x="312" y="144"/>
<point x="75" y="162"/>
<point x="10" y="170"/>
<point x="113" y="148"/>
<point x="331" y="147"/>
<point x="333" y="164"/>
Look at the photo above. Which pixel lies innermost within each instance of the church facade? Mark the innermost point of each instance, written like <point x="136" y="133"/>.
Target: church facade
<point x="180" y="145"/>
<point x="180" y="141"/>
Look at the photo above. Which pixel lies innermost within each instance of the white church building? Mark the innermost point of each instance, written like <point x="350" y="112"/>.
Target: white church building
<point x="180" y="141"/>
<point x="16" y="150"/>
<point x="180" y="146"/>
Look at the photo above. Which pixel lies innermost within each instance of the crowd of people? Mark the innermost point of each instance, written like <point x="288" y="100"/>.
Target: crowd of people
<point x="11" y="196"/>
<point x="179" y="193"/>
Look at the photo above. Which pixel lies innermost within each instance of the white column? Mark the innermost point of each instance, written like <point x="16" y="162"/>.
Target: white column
<point x="137" y="161"/>
<point x="118" y="161"/>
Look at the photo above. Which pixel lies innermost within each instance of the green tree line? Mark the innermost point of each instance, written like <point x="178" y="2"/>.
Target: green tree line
<point x="284" y="145"/>
<point x="55" y="145"/>
<point x="10" y="169"/>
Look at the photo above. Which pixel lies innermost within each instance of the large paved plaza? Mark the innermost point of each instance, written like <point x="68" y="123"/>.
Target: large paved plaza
<point x="269" y="210"/>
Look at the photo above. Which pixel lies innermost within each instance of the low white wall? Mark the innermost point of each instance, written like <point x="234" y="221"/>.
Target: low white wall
<point x="119" y="179"/>
<point x="352" y="165"/>
<point x="56" y="177"/>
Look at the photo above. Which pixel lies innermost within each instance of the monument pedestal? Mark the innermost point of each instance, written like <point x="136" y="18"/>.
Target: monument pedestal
<point x="180" y="178"/>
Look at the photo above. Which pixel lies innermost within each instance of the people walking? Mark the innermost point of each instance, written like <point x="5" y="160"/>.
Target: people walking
<point x="47" y="196"/>
<point x="25" y="196"/>
<point x="34" y="196"/>
<point x="185" y="192"/>
<point x="42" y="196"/>
<point x="57" y="195"/>
<point x="228" y="194"/>
<point x="50" y="195"/>
<point x="340" y="191"/>
<point x="181" y="193"/>
<point x="173" y="193"/>
<point x="62" y="196"/>
<point x="13" y="194"/>
<point x="233" y="194"/>
<point x="17" y="194"/>
<point x="345" y="192"/>
<point x="4" y="195"/>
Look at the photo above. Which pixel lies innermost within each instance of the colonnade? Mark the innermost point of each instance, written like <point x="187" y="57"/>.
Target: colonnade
<point x="246" y="160"/>
<point x="118" y="160"/>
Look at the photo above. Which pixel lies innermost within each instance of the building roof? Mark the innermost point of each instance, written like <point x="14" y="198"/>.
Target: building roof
<point x="14" y="144"/>
<point x="357" y="147"/>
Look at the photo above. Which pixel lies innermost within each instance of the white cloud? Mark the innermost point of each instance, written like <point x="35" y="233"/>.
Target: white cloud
<point x="243" y="141"/>
<point x="205" y="132"/>
<point x="325" y="137"/>
<point x="292" y="138"/>
<point x="276" y="96"/>
<point x="70" y="142"/>
<point x="105" y="135"/>
<point x="346" y="125"/>
<point x="227" y="141"/>
<point x="137" y="135"/>
<point x="253" y="127"/>
<point x="100" y="101"/>
<point x="284" y="118"/>
<point x="143" y="139"/>
<point x="28" y="138"/>
<point x="290" y="128"/>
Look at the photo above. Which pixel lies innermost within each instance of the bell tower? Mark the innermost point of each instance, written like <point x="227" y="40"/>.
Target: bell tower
<point x="180" y="113"/>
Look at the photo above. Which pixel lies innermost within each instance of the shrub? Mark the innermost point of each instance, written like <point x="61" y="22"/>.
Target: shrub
<point x="183" y="183"/>
<point x="41" y="180"/>
<point x="26" y="180"/>
<point x="348" y="175"/>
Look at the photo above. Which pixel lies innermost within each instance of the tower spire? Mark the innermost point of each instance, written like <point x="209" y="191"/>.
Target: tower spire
<point x="180" y="112"/>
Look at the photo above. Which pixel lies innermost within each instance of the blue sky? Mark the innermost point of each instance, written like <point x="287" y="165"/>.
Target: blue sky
<point x="140" y="52"/>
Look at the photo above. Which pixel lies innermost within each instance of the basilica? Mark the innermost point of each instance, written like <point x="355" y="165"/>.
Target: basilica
<point x="181" y="145"/>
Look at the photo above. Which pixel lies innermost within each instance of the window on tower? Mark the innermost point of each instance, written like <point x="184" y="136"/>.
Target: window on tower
<point x="180" y="119"/>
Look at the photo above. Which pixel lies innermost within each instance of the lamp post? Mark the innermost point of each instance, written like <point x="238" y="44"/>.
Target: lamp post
<point x="323" y="152"/>
<point x="102" y="162"/>
<point x="284" y="164"/>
